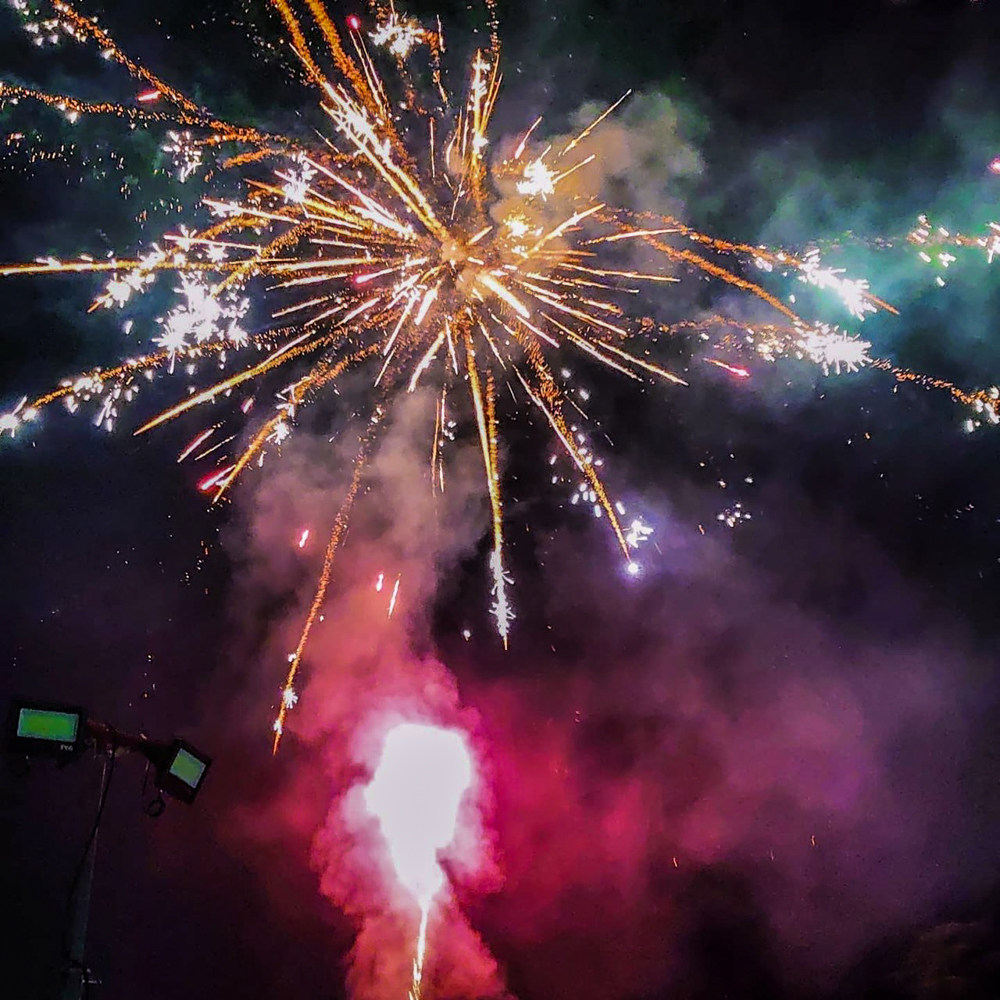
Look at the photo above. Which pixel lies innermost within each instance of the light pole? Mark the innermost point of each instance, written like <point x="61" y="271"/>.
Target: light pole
<point x="43" y="730"/>
<point x="77" y="975"/>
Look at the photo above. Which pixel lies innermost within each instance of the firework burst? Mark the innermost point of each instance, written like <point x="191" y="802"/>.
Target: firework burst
<point x="402" y="243"/>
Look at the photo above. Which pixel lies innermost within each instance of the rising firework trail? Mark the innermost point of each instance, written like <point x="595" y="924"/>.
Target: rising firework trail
<point x="399" y="242"/>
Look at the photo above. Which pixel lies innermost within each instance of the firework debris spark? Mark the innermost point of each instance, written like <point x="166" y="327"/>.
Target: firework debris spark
<point x="406" y="242"/>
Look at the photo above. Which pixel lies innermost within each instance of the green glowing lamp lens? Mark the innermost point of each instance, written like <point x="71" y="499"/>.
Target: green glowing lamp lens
<point x="187" y="768"/>
<point x="39" y="724"/>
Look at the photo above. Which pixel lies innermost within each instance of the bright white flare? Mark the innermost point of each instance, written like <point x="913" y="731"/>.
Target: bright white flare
<point x="204" y="314"/>
<point x="421" y="779"/>
<point x="852" y="291"/>
<point x="538" y="180"/>
<point x="185" y="152"/>
<point x="398" y="35"/>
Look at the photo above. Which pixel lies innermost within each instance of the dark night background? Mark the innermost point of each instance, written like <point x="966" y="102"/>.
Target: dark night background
<point x="768" y="768"/>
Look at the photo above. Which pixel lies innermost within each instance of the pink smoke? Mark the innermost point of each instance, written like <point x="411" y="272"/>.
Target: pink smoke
<point x="697" y="750"/>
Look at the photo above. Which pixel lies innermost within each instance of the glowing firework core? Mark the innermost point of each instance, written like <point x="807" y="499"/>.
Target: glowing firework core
<point x="420" y="781"/>
<point x="421" y="778"/>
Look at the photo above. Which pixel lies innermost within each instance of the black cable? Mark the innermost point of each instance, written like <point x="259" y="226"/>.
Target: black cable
<point x="75" y="883"/>
<point x="153" y="808"/>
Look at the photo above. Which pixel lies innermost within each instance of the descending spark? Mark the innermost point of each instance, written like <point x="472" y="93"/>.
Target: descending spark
<point x="196" y="443"/>
<point x="440" y="265"/>
<point x="733" y="515"/>
<point x="421" y="779"/>
<point x="738" y="370"/>
<point x="185" y="152"/>
<point x="339" y="527"/>
<point x="637" y="533"/>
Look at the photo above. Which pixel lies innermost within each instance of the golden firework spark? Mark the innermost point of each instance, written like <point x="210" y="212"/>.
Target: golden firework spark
<point x="404" y="258"/>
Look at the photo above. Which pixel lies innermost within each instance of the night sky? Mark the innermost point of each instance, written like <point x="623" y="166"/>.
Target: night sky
<point x="767" y="768"/>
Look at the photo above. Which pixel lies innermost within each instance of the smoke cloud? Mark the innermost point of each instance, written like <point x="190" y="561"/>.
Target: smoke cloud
<point x="735" y="774"/>
<point x="716" y="758"/>
<point x="367" y="669"/>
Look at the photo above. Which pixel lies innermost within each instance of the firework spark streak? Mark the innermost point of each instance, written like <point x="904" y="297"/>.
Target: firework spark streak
<point x="422" y="776"/>
<point x="387" y="247"/>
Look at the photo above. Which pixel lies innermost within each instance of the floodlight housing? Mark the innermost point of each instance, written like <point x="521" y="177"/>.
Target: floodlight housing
<point x="46" y="729"/>
<point x="181" y="770"/>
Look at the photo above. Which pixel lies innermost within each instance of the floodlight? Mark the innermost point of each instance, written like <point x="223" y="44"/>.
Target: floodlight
<point x="43" y="729"/>
<point x="63" y="732"/>
<point x="181" y="770"/>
